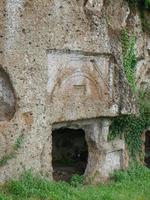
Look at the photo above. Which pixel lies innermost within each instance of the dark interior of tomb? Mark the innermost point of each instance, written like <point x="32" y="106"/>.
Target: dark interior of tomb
<point x="69" y="153"/>
<point x="147" y="149"/>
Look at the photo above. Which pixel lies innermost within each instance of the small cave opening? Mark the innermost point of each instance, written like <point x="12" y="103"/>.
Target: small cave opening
<point x="69" y="153"/>
<point x="147" y="148"/>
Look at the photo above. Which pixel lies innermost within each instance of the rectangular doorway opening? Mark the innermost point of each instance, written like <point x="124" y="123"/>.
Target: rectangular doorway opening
<point x="69" y="153"/>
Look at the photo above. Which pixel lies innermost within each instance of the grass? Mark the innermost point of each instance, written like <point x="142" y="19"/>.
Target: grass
<point x="133" y="184"/>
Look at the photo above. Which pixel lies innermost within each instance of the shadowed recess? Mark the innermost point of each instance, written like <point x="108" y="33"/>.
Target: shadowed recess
<point x="7" y="97"/>
<point x="69" y="153"/>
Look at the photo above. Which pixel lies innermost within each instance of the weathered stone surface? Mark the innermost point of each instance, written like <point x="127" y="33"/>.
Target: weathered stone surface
<point x="104" y="157"/>
<point x="135" y="27"/>
<point x="117" y="14"/>
<point x="64" y="66"/>
<point x="94" y="6"/>
<point x="143" y="74"/>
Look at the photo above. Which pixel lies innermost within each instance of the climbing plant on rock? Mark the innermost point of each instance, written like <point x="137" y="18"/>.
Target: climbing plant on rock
<point x="129" y="57"/>
<point x="132" y="126"/>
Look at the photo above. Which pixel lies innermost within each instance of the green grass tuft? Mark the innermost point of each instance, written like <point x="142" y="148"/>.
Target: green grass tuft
<point x="132" y="184"/>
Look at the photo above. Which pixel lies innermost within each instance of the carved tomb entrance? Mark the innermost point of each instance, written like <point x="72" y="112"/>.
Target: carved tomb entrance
<point x="69" y="153"/>
<point x="81" y="147"/>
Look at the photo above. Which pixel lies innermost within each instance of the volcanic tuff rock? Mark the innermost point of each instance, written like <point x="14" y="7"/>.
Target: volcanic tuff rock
<point x="61" y="63"/>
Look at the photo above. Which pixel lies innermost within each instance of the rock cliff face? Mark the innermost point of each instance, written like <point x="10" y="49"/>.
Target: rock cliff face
<point x="61" y="66"/>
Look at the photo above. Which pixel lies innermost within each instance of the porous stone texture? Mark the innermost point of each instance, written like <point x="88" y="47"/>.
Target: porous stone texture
<point x="63" y="61"/>
<point x="143" y="74"/>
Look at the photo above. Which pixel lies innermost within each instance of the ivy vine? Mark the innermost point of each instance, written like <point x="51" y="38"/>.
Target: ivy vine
<point x="129" y="57"/>
<point x="132" y="126"/>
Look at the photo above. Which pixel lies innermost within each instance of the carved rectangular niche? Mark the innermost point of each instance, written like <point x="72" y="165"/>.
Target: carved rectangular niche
<point x="80" y="83"/>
